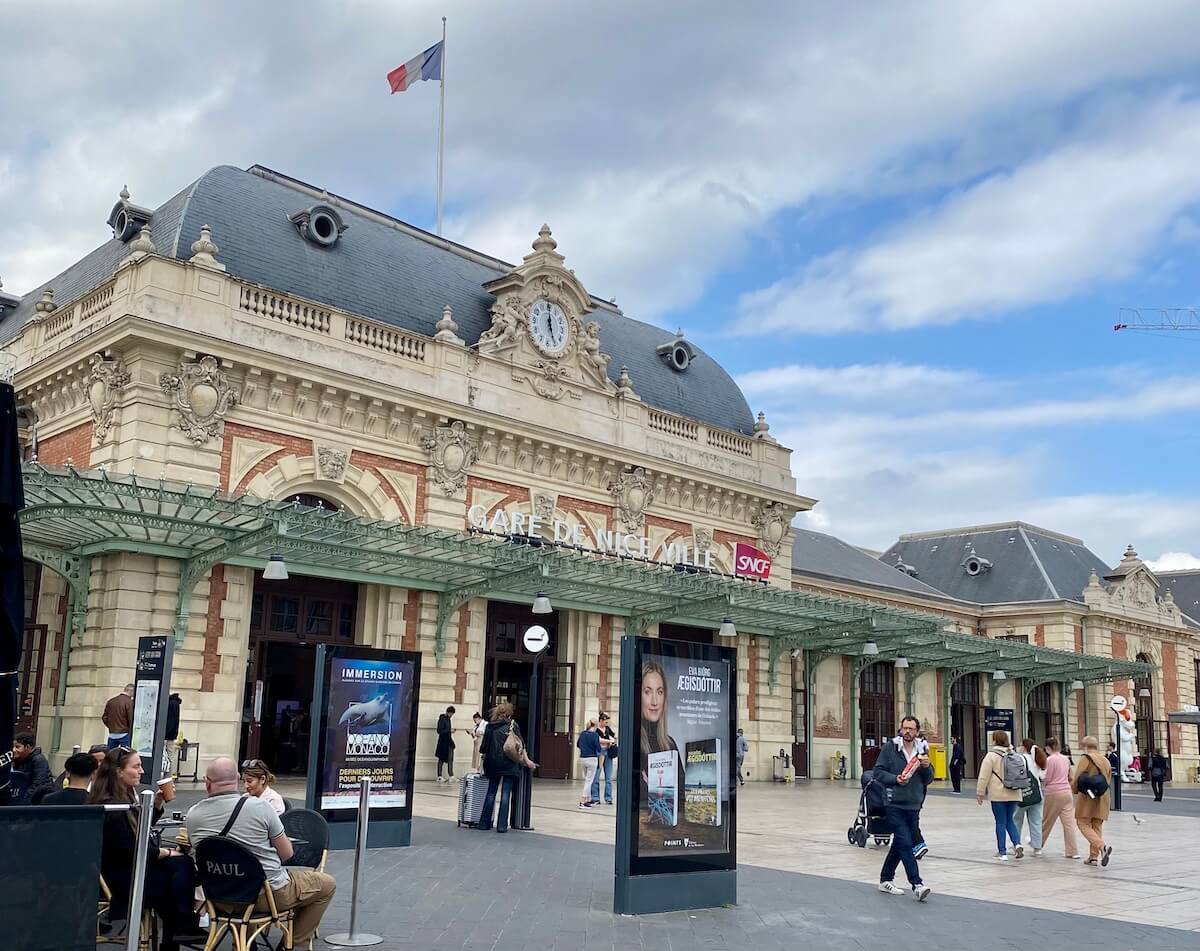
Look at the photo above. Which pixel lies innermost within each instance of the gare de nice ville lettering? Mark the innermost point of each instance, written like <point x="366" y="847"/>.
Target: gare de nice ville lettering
<point x="564" y="533"/>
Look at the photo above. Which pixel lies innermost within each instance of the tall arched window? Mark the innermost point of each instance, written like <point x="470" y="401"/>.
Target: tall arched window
<point x="309" y="500"/>
<point x="1143" y="696"/>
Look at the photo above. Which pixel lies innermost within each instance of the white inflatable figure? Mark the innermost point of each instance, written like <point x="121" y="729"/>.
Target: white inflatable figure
<point x="1124" y="735"/>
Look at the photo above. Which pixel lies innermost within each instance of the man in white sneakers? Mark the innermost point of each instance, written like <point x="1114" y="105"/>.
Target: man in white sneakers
<point x="904" y="771"/>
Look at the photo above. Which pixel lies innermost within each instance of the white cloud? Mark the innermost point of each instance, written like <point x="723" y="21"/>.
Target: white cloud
<point x="654" y="168"/>
<point x="1085" y="213"/>
<point x="859" y="381"/>
<point x="1174" y="561"/>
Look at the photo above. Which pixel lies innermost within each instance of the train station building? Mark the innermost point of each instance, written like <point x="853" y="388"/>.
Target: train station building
<point x="264" y="417"/>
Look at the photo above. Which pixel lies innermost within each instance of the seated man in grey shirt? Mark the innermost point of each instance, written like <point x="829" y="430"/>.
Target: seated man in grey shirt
<point x="304" y="890"/>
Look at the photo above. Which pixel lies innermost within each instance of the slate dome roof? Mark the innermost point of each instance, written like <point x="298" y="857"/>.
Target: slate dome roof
<point x="383" y="269"/>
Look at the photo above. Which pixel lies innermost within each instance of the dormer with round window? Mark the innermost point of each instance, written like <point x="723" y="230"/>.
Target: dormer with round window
<point x="320" y="224"/>
<point x="126" y="219"/>
<point x="677" y="353"/>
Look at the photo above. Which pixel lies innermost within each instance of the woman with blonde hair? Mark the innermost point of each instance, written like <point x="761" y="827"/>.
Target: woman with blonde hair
<point x="1004" y="800"/>
<point x="259" y="782"/>
<point x="590" y="748"/>
<point x="1033" y="801"/>
<point x="1091" y="782"/>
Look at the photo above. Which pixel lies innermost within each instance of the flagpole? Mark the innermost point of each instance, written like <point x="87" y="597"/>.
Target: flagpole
<point x="441" y="130"/>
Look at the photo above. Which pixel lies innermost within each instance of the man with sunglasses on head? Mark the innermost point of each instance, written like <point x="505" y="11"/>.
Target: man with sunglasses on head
<point x="257" y="826"/>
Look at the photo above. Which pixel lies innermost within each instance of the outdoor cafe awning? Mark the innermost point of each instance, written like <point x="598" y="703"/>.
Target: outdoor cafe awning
<point x="72" y="515"/>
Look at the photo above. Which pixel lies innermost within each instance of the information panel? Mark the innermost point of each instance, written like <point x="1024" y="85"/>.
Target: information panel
<point x="683" y="723"/>
<point x="151" y="688"/>
<point x="367" y="729"/>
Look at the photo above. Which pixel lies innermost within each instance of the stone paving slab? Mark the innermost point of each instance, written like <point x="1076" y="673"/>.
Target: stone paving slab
<point x="463" y="890"/>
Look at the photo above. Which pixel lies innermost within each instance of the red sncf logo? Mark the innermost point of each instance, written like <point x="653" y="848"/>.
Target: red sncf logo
<point x="750" y="562"/>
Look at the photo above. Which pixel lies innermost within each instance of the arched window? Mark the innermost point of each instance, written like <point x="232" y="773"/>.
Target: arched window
<point x="312" y="501"/>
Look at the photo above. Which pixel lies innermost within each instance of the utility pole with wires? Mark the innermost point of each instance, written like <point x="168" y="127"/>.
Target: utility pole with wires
<point x="1153" y="320"/>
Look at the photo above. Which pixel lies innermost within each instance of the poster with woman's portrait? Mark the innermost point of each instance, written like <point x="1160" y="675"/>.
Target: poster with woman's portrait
<point x="685" y="749"/>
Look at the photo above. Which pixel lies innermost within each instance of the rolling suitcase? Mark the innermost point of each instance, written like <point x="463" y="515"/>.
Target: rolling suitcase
<point x="471" y="790"/>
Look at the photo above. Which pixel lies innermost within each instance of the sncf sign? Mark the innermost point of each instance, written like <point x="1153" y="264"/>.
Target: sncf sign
<point x="749" y="562"/>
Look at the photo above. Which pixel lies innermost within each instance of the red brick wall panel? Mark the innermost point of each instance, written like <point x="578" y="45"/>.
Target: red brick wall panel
<point x="213" y="628"/>
<point x="73" y="446"/>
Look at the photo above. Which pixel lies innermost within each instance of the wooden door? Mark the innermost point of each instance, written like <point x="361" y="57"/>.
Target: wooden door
<point x="29" y="678"/>
<point x="556" y="741"/>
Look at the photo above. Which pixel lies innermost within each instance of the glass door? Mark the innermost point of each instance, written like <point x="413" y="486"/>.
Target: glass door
<point x="556" y="742"/>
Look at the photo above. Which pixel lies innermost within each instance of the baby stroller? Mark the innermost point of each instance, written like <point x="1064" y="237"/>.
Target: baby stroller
<point x="871" y="820"/>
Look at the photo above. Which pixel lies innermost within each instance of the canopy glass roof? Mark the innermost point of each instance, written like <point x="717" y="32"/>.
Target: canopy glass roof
<point x="72" y="515"/>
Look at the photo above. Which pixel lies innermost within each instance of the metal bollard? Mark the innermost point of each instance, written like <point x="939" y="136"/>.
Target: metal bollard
<point x="354" y="939"/>
<point x="137" y="887"/>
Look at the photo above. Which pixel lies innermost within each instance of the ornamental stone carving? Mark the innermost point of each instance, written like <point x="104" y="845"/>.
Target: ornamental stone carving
<point x="202" y="396"/>
<point x="632" y="493"/>
<point x="771" y="520"/>
<point x="543" y="506"/>
<point x="451" y="453"/>
<point x="331" y="463"/>
<point x="105" y="383"/>
<point x="702" y="539"/>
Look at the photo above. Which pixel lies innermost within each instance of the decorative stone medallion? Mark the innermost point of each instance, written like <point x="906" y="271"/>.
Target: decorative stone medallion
<point x="105" y="383"/>
<point x="201" y="395"/>
<point x="451" y="454"/>
<point x="331" y="463"/>
<point x="771" y="520"/>
<point x="702" y="539"/>
<point x="543" y="506"/>
<point x="632" y="493"/>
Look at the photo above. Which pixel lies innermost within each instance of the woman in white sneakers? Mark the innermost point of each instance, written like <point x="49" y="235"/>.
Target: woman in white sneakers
<point x="1031" y="803"/>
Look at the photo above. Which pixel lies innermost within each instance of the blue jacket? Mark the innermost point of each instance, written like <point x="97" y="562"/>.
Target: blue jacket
<point x="589" y="744"/>
<point x="890" y="764"/>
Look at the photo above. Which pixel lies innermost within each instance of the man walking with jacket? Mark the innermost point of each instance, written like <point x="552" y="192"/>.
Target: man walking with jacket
<point x="957" y="761"/>
<point x="904" y="772"/>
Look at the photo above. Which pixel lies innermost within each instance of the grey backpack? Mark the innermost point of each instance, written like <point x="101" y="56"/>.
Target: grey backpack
<point x="1016" y="771"/>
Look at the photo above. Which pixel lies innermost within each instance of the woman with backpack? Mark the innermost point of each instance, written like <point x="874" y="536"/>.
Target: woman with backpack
<point x="1090" y="783"/>
<point x="997" y="782"/>
<point x="503" y="754"/>
<point x="1031" y="803"/>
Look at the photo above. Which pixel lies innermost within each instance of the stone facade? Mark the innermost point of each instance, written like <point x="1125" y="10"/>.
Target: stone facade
<point x="280" y="396"/>
<point x="1127" y="619"/>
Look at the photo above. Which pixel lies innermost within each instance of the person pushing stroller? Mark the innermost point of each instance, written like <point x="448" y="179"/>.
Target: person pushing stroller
<point x="905" y="772"/>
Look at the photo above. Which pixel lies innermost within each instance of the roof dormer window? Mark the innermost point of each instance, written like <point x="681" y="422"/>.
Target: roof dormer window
<point x="320" y="224"/>
<point x="975" y="564"/>
<point x="678" y="354"/>
<point x="127" y="219"/>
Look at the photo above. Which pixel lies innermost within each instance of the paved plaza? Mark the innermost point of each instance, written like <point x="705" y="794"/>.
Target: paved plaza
<point x="799" y="885"/>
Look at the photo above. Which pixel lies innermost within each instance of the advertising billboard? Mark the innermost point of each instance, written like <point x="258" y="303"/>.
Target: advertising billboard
<point x="367" y="729"/>
<point x="684" y="721"/>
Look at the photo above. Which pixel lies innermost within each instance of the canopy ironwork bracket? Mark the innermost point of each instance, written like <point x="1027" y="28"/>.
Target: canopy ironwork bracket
<point x="75" y="569"/>
<point x="804" y="640"/>
<point x="452" y="599"/>
<point x="196" y="567"/>
<point x="640" y="623"/>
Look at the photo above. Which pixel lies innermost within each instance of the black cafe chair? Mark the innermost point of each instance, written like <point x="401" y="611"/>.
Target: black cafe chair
<point x="233" y="881"/>
<point x="309" y="833"/>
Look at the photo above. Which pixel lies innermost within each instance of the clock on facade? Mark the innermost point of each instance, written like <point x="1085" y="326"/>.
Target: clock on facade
<point x="548" y="327"/>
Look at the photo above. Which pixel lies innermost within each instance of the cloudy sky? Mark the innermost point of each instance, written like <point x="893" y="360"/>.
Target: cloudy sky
<point x="907" y="233"/>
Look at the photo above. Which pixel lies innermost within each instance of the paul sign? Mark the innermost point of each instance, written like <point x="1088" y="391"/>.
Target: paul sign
<point x="749" y="562"/>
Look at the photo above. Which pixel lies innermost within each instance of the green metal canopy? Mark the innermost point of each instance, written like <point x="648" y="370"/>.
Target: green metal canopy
<point x="73" y="514"/>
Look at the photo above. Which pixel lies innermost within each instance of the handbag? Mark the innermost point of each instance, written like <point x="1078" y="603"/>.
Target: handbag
<point x="514" y="746"/>
<point x="1033" y="795"/>
<point x="1092" y="784"/>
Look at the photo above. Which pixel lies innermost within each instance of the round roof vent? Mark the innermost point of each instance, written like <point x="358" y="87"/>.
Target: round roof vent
<point x="320" y="224"/>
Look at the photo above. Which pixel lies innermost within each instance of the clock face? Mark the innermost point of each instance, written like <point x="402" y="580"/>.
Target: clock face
<point x="548" y="327"/>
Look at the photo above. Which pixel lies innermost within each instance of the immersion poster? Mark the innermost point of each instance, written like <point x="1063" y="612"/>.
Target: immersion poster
<point x="685" y="746"/>
<point x="368" y="729"/>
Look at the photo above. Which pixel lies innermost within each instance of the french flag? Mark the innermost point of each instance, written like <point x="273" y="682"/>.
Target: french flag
<point x="426" y="66"/>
